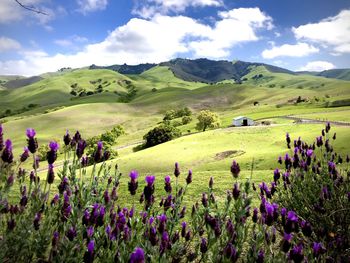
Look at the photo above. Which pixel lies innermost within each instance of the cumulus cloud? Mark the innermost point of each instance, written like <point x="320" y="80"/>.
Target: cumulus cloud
<point x="158" y="39"/>
<point x="87" y="6"/>
<point x="148" y="8"/>
<point x="10" y="12"/>
<point x="286" y="50"/>
<point x="7" y="44"/>
<point x="317" y="66"/>
<point x="332" y="31"/>
<point x="71" y="41"/>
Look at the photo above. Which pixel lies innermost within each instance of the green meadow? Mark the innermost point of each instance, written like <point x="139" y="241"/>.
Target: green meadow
<point x="207" y="154"/>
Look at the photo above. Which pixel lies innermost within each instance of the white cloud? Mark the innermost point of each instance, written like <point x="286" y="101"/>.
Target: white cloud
<point x="332" y="31"/>
<point x="156" y="40"/>
<point x="237" y="26"/>
<point x="70" y="41"/>
<point x="148" y="8"/>
<point x="286" y="50"/>
<point x="7" y="44"/>
<point x="317" y="66"/>
<point x="87" y="6"/>
<point x="10" y="12"/>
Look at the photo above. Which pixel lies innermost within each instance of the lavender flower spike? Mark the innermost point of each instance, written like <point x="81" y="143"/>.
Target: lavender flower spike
<point x="138" y="256"/>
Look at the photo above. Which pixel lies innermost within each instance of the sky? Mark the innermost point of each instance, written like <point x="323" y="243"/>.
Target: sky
<point x="312" y="35"/>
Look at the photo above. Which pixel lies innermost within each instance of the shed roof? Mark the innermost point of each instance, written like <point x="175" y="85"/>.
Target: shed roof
<point x="241" y="117"/>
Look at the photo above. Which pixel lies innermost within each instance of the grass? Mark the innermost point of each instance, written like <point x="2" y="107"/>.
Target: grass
<point x="201" y="152"/>
<point x="340" y="115"/>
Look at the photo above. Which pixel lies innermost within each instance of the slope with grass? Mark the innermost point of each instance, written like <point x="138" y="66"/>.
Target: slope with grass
<point x="56" y="89"/>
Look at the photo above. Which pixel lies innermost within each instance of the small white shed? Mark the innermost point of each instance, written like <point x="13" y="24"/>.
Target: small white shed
<point x="242" y="121"/>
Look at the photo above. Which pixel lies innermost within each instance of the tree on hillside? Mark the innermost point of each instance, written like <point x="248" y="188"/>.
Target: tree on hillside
<point x="160" y="134"/>
<point x="207" y="119"/>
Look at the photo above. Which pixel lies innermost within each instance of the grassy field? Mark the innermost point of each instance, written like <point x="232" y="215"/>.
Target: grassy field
<point x="207" y="154"/>
<point x="340" y="115"/>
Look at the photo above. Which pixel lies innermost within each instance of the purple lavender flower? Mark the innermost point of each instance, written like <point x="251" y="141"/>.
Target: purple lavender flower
<point x="52" y="154"/>
<point x="183" y="229"/>
<point x="138" y="256"/>
<point x="276" y="175"/>
<point x="150" y="180"/>
<point x="177" y="170"/>
<point x="306" y="228"/>
<point x="10" y="180"/>
<point x="296" y="254"/>
<point x="55" y="238"/>
<point x="167" y="186"/>
<point x="189" y="177"/>
<point x="80" y="148"/>
<point x="84" y="161"/>
<point x="114" y="195"/>
<point x="133" y="184"/>
<point x="204" y="200"/>
<point x="255" y="215"/>
<point x="318" y="249"/>
<point x="66" y="138"/>
<point x="24" y="156"/>
<point x="1" y="138"/>
<point x="106" y="197"/>
<point x="319" y="141"/>
<point x="32" y="142"/>
<point x="230" y="252"/>
<point x="235" y="169"/>
<point x="328" y="127"/>
<point x="211" y="182"/>
<point x="279" y="160"/>
<point x="162" y="223"/>
<point x="71" y="233"/>
<point x="37" y="220"/>
<point x="204" y="246"/>
<point x="149" y="190"/>
<point x="7" y="155"/>
<point x="90" y="231"/>
<point x="286" y="244"/>
<point x="236" y="191"/>
<point x="89" y="254"/>
<point x="98" y="152"/>
<point x="261" y="257"/>
<point x="50" y="174"/>
<point x="291" y="222"/>
<point x="164" y="242"/>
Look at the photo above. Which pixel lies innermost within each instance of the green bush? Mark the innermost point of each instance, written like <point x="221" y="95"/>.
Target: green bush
<point x="160" y="134"/>
<point x="186" y="119"/>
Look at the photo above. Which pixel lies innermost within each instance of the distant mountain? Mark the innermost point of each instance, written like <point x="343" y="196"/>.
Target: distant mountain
<point x="126" y="69"/>
<point x="199" y="70"/>
<point x="343" y="74"/>
<point x="21" y="82"/>
<point x="211" y="71"/>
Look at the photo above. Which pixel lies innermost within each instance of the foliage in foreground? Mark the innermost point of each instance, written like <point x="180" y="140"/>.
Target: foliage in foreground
<point x="83" y="222"/>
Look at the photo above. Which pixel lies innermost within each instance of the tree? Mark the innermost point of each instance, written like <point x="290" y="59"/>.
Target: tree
<point x="160" y="134"/>
<point x="207" y="119"/>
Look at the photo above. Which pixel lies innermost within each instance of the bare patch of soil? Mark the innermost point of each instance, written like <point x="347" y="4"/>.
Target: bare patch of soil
<point x="226" y="154"/>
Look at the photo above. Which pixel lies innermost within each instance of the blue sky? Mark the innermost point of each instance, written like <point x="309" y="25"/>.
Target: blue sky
<point x="298" y="34"/>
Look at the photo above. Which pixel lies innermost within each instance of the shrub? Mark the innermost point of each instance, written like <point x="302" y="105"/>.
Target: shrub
<point x="186" y="120"/>
<point x="315" y="186"/>
<point x="160" y="134"/>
